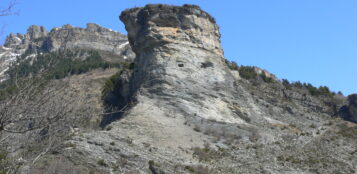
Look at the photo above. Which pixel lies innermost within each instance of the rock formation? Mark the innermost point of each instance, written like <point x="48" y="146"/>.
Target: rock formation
<point x="92" y="37"/>
<point x="38" y="40"/>
<point x="36" y="32"/>
<point x="181" y="107"/>
<point x="180" y="61"/>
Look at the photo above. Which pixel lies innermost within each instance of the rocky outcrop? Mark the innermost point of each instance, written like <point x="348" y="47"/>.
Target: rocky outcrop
<point x="38" y="40"/>
<point x="180" y="59"/>
<point x="36" y="32"/>
<point x="92" y="37"/>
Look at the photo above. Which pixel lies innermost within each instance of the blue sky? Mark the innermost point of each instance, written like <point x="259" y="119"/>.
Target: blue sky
<point x="312" y="41"/>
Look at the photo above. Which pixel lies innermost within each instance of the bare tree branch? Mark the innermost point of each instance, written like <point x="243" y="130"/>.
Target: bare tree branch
<point x="9" y="9"/>
<point x="34" y="108"/>
<point x="122" y="110"/>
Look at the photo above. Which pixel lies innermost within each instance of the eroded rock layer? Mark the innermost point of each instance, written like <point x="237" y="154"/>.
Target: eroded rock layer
<point x="180" y="60"/>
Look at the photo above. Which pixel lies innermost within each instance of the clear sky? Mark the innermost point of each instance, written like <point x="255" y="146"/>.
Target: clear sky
<point x="313" y="41"/>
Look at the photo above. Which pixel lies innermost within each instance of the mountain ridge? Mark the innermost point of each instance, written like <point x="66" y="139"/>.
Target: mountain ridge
<point x="38" y="40"/>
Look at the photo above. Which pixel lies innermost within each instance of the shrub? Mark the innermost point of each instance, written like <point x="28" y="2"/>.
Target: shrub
<point x="266" y="79"/>
<point x="324" y="90"/>
<point x="312" y="90"/>
<point x="321" y="91"/>
<point x="127" y="65"/>
<point x="110" y="84"/>
<point x="352" y="99"/>
<point x="286" y="83"/>
<point x="297" y="84"/>
<point x="247" y="72"/>
<point x="101" y="162"/>
<point x="232" y="65"/>
<point x="313" y="126"/>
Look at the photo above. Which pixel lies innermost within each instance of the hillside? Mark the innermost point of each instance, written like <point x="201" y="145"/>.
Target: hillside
<point x="163" y="99"/>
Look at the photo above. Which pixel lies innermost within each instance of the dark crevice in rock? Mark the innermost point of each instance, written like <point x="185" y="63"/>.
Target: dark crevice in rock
<point x="206" y="64"/>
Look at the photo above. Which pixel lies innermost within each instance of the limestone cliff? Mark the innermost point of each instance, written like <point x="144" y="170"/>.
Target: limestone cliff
<point x="180" y="59"/>
<point x="182" y="108"/>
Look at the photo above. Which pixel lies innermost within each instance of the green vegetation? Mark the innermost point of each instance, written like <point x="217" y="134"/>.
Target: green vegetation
<point x="232" y="65"/>
<point x="110" y="84"/>
<point x="59" y="64"/>
<point x="154" y="167"/>
<point x="321" y="91"/>
<point x="313" y="126"/>
<point x="297" y="84"/>
<point x="54" y="65"/>
<point x="286" y="83"/>
<point x="101" y="162"/>
<point x="113" y="82"/>
<point x="247" y="72"/>
<point x="266" y="78"/>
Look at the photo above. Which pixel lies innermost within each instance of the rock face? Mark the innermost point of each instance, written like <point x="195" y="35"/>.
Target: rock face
<point x="35" y="32"/>
<point x="39" y="40"/>
<point x="179" y="57"/>
<point x="92" y="37"/>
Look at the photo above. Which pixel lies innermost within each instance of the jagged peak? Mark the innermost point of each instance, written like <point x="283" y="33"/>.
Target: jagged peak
<point x="35" y="32"/>
<point x="13" y="39"/>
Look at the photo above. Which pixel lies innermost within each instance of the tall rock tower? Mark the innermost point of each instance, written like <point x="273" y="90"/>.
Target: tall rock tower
<point x="180" y="62"/>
